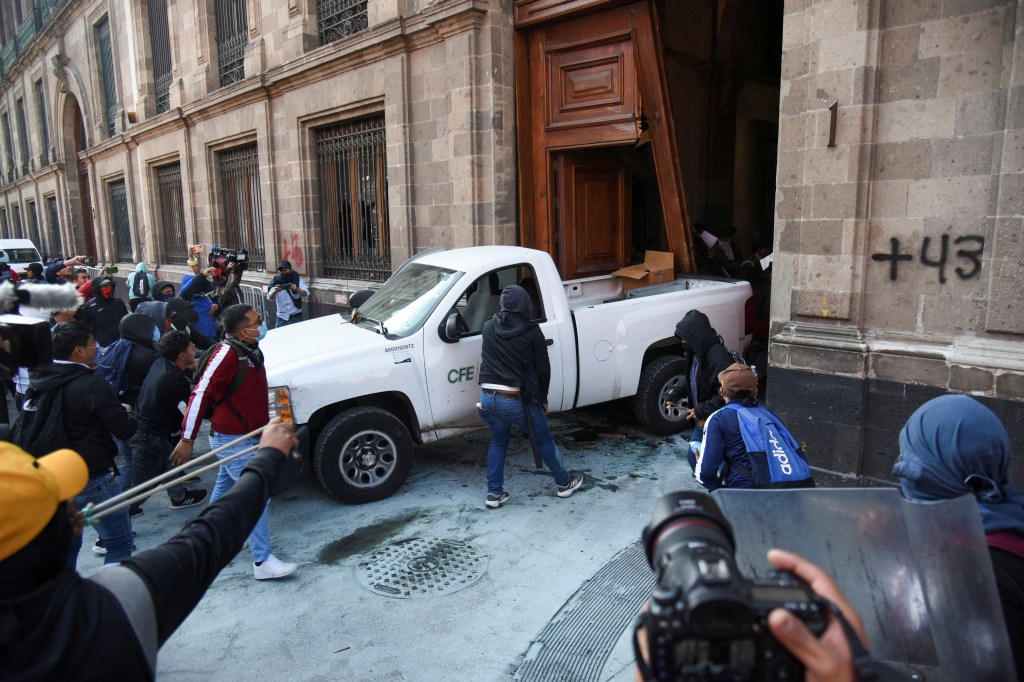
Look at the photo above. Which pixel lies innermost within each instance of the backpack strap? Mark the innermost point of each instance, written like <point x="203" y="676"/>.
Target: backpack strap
<point x="236" y="383"/>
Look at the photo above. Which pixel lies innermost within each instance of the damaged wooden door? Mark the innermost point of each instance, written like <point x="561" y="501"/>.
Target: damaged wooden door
<point x="593" y="200"/>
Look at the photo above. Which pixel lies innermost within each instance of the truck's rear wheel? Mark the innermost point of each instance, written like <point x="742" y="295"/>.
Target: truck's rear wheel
<point x="663" y="385"/>
<point x="363" y="454"/>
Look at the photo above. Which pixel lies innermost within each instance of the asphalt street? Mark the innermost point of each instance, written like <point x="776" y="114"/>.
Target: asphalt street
<point x="431" y="585"/>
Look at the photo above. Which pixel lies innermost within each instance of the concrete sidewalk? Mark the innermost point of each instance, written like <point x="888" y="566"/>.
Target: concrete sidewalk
<point x="527" y="559"/>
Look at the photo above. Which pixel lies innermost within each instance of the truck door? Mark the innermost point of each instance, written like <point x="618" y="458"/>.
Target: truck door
<point x="453" y="369"/>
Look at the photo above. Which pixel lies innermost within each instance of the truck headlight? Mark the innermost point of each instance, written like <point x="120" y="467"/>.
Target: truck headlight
<point x="279" y="403"/>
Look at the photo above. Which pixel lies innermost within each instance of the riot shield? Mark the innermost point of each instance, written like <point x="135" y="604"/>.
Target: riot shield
<point x="919" y="574"/>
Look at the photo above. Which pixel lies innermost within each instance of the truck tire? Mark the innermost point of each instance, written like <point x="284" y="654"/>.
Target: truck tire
<point x="661" y="379"/>
<point x="363" y="454"/>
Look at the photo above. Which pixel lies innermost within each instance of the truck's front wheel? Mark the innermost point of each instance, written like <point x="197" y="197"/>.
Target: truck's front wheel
<point x="363" y="454"/>
<point x="663" y="386"/>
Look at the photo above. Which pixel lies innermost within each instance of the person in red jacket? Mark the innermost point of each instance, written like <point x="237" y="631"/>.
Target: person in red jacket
<point x="233" y="392"/>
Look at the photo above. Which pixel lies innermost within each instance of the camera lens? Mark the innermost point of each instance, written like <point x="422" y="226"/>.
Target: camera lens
<point x="681" y="518"/>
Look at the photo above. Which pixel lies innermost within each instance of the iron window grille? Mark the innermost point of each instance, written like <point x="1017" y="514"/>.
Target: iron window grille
<point x="339" y="19"/>
<point x="232" y="37"/>
<point x="159" y="36"/>
<point x="243" y="208"/>
<point x="107" y="76"/>
<point x="33" y="226"/>
<point x="119" y="217"/>
<point x="19" y="112"/>
<point x="17" y="229"/>
<point x="8" y="148"/>
<point x="172" y="214"/>
<point x="55" y="245"/>
<point x="4" y="228"/>
<point x="352" y="176"/>
<point x="44" y="129"/>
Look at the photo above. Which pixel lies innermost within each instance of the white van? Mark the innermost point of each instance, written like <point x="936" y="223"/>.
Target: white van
<point x="18" y="253"/>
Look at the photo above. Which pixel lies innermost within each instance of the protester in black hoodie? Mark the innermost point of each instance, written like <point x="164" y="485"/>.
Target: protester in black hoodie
<point x="104" y="311"/>
<point x="56" y="625"/>
<point x="514" y="375"/>
<point x="93" y="416"/>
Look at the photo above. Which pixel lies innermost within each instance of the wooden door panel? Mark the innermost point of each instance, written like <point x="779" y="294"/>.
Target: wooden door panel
<point x="594" y="228"/>
<point x="592" y="84"/>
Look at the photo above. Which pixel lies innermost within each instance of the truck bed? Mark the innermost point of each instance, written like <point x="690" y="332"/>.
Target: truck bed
<point x="593" y="291"/>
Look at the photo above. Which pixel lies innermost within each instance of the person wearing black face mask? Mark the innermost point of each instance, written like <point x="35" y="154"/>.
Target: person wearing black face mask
<point x="163" y="291"/>
<point x="57" y="625"/>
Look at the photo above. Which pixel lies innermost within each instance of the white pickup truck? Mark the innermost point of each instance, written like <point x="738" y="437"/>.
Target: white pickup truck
<point x="406" y="371"/>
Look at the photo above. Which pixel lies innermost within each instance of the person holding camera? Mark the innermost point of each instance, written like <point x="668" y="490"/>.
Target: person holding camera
<point x="218" y="284"/>
<point x="287" y="290"/>
<point x="62" y="271"/>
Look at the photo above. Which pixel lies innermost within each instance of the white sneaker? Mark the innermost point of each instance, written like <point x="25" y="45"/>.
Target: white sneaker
<point x="272" y="568"/>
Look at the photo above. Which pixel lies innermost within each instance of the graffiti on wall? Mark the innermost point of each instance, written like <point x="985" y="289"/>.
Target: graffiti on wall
<point x="938" y="256"/>
<point x="291" y="250"/>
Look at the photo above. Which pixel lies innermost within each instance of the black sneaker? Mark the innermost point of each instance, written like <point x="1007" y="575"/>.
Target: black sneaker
<point x="496" y="500"/>
<point x="575" y="481"/>
<point x="99" y="548"/>
<point x="192" y="497"/>
<point x="134" y="511"/>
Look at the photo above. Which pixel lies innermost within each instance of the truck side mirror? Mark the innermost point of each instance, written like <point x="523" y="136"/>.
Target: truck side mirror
<point x="453" y="328"/>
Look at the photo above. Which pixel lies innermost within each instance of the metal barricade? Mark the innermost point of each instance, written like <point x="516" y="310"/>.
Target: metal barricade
<point x="256" y="296"/>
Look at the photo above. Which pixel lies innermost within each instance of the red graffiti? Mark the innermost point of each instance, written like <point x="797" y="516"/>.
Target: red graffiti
<point x="293" y="252"/>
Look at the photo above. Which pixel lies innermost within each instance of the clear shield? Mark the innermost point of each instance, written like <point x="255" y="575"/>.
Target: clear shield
<point x="919" y="574"/>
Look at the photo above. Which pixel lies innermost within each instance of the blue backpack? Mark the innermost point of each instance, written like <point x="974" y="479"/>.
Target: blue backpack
<point x="776" y="459"/>
<point x="113" y="366"/>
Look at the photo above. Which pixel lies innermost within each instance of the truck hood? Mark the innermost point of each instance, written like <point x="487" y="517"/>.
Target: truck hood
<point x="319" y="343"/>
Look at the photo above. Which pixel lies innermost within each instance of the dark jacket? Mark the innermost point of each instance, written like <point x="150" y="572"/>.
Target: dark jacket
<point x="103" y="314"/>
<point x="139" y="330"/>
<point x="157" y="406"/>
<point x="704" y="345"/>
<point x="515" y="354"/>
<point x="65" y="627"/>
<point x="92" y="413"/>
<point x="723" y="442"/>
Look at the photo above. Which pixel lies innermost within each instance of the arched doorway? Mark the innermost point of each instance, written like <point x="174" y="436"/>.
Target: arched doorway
<point x="80" y="229"/>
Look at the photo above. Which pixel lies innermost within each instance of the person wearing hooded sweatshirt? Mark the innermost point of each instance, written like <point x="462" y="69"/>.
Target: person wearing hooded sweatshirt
<point x="202" y="305"/>
<point x="57" y="625"/>
<point x="706" y="357"/>
<point x="104" y="311"/>
<point x="93" y="417"/>
<point x="163" y="290"/>
<point x="514" y="375"/>
<point x="141" y="286"/>
<point x="952" y="446"/>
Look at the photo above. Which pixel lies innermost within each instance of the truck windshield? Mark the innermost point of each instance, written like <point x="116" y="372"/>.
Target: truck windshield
<point x="405" y="301"/>
<point x="19" y="256"/>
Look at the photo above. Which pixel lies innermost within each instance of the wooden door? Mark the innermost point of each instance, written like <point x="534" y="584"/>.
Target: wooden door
<point x="592" y="230"/>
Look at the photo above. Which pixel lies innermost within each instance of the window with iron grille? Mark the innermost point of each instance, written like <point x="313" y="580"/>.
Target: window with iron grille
<point x="119" y="217"/>
<point x="338" y="19"/>
<point x="232" y="37"/>
<point x="172" y="214"/>
<point x="44" y="129"/>
<point x="243" y="210"/>
<point x="33" y="226"/>
<point x="55" y="245"/>
<point x="159" y="38"/>
<point x="8" y="148"/>
<point x="107" y="75"/>
<point x="17" y="229"/>
<point x="352" y="177"/>
<point x="19" y="112"/>
<point x="4" y="228"/>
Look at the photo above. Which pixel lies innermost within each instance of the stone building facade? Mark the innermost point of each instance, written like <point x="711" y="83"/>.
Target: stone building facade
<point x="900" y="226"/>
<point x="341" y="135"/>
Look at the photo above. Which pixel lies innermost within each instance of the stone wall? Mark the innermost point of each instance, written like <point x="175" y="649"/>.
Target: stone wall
<point x="899" y="245"/>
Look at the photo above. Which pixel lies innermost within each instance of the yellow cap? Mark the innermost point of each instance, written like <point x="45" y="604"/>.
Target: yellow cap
<point x="31" y="489"/>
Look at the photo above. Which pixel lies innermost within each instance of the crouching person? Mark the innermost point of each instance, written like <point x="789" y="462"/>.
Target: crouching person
<point x="745" y="445"/>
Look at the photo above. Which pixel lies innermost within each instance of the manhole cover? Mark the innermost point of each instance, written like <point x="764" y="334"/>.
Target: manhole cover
<point x="421" y="567"/>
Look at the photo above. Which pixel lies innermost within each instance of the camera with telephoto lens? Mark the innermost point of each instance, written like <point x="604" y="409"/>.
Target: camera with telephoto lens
<point x="28" y="338"/>
<point x="706" y="621"/>
<point x="228" y="259"/>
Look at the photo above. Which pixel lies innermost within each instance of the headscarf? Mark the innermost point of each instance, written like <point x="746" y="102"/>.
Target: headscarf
<point x="952" y="446"/>
<point x="514" y="299"/>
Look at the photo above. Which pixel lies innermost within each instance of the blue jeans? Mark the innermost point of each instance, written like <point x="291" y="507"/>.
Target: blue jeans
<point x="114" y="529"/>
<point x="124" y="463"/>
<point x="227" y="474"/>
<point x="501" y="413"/>
<point x="291" y="319"/>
